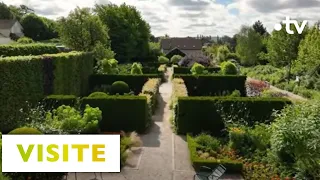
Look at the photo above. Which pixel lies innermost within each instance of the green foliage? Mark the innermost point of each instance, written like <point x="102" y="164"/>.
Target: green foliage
<point x="207" y="141"/>
<point x="98" y="94"/>
<point x="249" y="44"/>
<point x="135" y="82"/>
<point x="163" y="60"/>
<point x="120" y="87"/>
<point x="154" y="51"/>
<point x="295" y="139"/>
<point x="208" y="114"/>
<point x="283" y="47"/>
<point x="175" y="59"/>
<point x="151" y="90"/>
<point x="27" y="49"/>
<point x="25" y="130"/>
<point x="25" y="40"/>
<point x="129" y="33"/>
<point x="232" y="166"/>
<point x="136" y="68"/>
<point x="309" y="51"/>
<point x="222" y="53"/>
<point x="234" y="56"/>
<point x="54" y="101"/>
<point x="5" y="11"/>
<point x="110" y="66"/>
<point x="266" y="73"/>
<point x="185" y="70"/>
<point x="197" y="69"/>
<point x="236" y="93"/>
<point x="259" y="28"/>
<point x="38" y="28"/>
<point x="228" y="68"/>
<point x="207" y="84"/>
<point x="101" y="53"/>
<point x="121" y="113"/>
<point x="31" y="78"/>
<point x="82" y="30"/>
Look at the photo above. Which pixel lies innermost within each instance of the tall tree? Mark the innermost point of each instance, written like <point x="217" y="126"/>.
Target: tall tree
<point x="129" y="33"/>
<point x="259" y="28"/>
<point x="5" y="12"/>
<point x="82" y="30"/>
<point x="249" y="45"/>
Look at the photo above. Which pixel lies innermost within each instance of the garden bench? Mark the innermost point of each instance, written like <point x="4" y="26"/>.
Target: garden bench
<point x="210" y="174"/>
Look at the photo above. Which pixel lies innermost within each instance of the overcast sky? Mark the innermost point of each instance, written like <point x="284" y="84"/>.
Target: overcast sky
<point x="191" y="17"/>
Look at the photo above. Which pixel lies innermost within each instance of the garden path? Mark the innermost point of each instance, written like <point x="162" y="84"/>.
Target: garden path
<point x="164" y="155"/>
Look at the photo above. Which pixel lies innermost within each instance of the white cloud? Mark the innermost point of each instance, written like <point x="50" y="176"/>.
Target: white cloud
<point x="192" y="17"/>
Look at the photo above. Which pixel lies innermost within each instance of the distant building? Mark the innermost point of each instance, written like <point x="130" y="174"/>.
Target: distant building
<point x="182" y="46"/>
<point x="9" y="29"/>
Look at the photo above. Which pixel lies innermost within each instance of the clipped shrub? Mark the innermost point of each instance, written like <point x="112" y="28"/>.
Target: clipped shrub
<point x="98" y="94"/>
<point x="234" y="56"/>
<point x="207" y="142"/>
<point x="25" y="40"/>
<point x="27" y="49"/>
<point x="25" y="130"/>
<point x="121" y="113"/>
<point x="120" y="87"/>
<point x="163" y="60"/>
<point x="136" y="68"/>
<point x="197" y="69"/>
<point x="175" y="59"/>
<point x="186" y="70"/>
<point x="236" y="93"/>
<point x="151" y="89"/>
<point x="228" y="68"/>
<point x="110" y="66"/>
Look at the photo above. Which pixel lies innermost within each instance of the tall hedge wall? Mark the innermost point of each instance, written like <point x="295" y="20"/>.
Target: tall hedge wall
<point x="213" y="85"/>
<point x="27" y="49"/>
<point x="31" y="78"/>
<point x="135" y="82"/>
<point x="121" y="113"/>
<point x="198" y="114"/>
<point x="186" y="70"/>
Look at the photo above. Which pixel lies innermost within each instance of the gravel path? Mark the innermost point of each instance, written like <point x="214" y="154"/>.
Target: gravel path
<point x="164" y="155"/>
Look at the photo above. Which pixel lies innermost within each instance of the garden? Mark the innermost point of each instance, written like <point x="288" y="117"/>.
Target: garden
<point x="231" y="121"/>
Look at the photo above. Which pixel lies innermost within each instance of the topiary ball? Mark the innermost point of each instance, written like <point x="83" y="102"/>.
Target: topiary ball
<point x="98" y="94"/>
<point x="25" y="130"/>
<point x="120" y="87"/>
<point x="228" y="68"/>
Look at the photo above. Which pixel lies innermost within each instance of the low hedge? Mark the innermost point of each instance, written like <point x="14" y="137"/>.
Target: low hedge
<point x="121" y="113"/>
<point x="151" y="90"/>
<point x="186" y="70"/>
<point x="54" y="101"/>
<point x="204" y="114"/>
<point x="135" y="81"/>
<point x="32" y="78"/>
<point x="213" y="85"/>
<point x="231" y="166"/>
<point x="27" y="49"/>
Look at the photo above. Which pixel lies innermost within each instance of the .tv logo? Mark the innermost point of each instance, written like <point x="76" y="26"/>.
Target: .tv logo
<point x="288" y="22"/>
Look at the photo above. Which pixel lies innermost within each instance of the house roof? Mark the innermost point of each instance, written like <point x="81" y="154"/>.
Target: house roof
<point x="181" y="43"/>
<point x="6" y="23"/>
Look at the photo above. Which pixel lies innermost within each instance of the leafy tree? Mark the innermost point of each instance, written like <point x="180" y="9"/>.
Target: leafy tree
<point x="222" y="53"/>
<point x="309" y="51"/>
<point x="129" y="33"/>
<point x="82" y="30"/>
<point x="154" y="51"/>
<point x="17" y="12"/>
<point x="283" y="47"/>
<point x="230" y="42"/>
<point x="259" y="28"/>
<point x="249" y="44"/>
<point x="5" y="12"/>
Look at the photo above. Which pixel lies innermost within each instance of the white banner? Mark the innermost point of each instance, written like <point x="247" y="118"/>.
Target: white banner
<point x="60" y="153"/>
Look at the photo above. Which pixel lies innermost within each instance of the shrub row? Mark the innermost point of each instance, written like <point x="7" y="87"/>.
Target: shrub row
<point x="213" y="85"/>
<point x="31" y="78"/>
<point x="135" y="82"/>
<point x="186" y="70"/>
<point x="205" y="114"/>
<point x="27" y="49"/>
<point x="151" y="90"/>
<point x="231" y="166"/>
<point x="121" y="113"/>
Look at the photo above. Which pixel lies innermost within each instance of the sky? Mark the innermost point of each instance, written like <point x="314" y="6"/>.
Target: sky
<point x="181" y="18"/>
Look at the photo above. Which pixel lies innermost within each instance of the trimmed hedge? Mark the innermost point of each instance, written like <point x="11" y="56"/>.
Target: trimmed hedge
<point x="27" y="49"/>
<point x="135" y="81"/>
<point x="121" y="113"/>
<point x="203" y="114"/>
<point x="231" y="166"/>
<point x="54" y="101"/>
<point x="151" y="90"/>
<point x="186" y="70"/>
<point x="213" y="85"/>
<point x="31" y="78"/>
